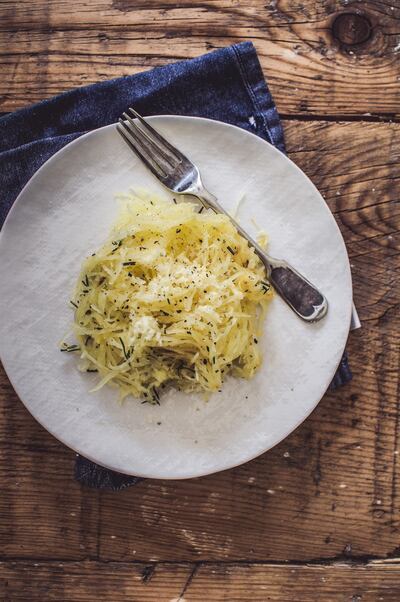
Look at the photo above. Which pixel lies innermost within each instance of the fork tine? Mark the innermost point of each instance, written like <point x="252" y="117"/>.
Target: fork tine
<point x="150" y="130"/>
<point x="133" y="143"/>
<point x="153" y="148"/>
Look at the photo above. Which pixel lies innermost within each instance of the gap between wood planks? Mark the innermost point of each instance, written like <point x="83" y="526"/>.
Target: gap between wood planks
<point x="342" y="560"/>
<point x="373" y="118"/>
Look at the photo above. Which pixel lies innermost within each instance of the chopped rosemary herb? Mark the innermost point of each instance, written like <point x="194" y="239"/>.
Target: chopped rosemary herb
<point x="70" y="348"/>
<point x="128" y="353"/>
<point x="117" y="244"/>
<point x="265" y="286"/>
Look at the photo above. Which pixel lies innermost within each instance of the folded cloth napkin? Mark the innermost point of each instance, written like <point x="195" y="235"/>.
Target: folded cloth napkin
<point x="227" y="84"/>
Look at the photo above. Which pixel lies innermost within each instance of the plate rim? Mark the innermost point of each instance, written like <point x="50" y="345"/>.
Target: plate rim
<point x="292" y="428"/>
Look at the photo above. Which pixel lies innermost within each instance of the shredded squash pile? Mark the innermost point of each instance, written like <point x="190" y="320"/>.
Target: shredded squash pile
<point x="174" y="297"/>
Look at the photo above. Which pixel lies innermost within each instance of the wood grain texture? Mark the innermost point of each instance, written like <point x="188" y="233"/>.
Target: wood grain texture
<point x="315" y="63"/>
<point x="330" y="491"/>
<point x="43" y="511"/>
<point x="318" y="517"/>
<point x="120" y="582"/>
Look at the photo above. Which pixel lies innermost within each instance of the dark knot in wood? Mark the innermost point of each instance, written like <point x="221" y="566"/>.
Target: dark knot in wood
<point x="351" y="29"/>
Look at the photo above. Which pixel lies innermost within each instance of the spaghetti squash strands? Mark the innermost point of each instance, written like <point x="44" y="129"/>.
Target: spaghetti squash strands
<point x="174" y="297"/>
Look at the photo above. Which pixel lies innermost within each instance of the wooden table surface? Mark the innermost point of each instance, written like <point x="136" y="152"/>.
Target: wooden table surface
<point x="318" y="517"/>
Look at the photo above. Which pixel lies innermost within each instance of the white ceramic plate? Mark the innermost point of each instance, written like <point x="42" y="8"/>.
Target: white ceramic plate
<point x="65" y="212"/>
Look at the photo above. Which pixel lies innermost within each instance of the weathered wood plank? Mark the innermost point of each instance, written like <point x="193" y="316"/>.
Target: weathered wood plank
<point x="313" y="66"/>
<point x="357" y="169"/>
<point x="330" y="490"/>
<point x="120" y="582"/>
<point x="43" y="511"/>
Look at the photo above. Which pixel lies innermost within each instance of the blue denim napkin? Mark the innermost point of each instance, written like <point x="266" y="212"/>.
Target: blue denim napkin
<point x="227" y="84"/>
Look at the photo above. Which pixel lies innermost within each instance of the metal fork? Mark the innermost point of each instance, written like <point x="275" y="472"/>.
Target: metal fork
<point x="173" y="169"/>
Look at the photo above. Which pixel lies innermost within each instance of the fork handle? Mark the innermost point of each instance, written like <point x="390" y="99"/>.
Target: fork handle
<point x="302" y="296"/>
